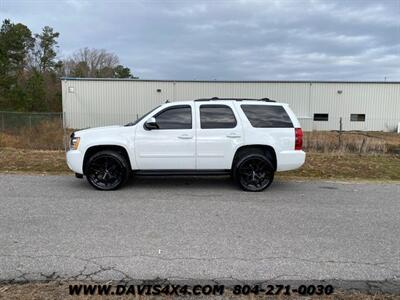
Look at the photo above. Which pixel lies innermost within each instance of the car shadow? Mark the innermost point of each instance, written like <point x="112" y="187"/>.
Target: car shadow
<point x="193" y="182"/>
<point x="173" y="182"/>
<point x="180" y="184"/>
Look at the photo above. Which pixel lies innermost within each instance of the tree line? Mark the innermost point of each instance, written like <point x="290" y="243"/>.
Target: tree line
<point x="30" y="70"/>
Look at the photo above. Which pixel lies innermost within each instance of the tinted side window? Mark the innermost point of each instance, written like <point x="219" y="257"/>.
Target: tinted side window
<point x="267" y="116"/>
<point x="216" y="116"/>
<point x="176" y="117"/>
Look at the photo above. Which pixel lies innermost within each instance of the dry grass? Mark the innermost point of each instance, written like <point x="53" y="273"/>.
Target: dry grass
<point x="47" y="135"/>
<point x="327" y="158"/>
<point x="32" y="161"/>
<point x="348" y="167"/>
<point x="318" y="165"/>
<point x="59" y="290"/>
<point x="351" y="142"/>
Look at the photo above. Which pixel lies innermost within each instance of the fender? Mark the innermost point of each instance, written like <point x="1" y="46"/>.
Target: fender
<point x="115" y="140"/>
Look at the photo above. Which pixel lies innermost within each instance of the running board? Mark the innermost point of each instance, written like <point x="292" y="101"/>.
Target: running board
<point x="181" y="172"/>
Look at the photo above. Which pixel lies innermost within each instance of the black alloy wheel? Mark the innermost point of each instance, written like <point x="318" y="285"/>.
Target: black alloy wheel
<point x="254" y="173"/>
<point x="107" y="170"/>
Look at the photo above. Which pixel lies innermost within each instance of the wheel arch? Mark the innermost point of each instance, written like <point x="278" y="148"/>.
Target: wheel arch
<point x="97" y="148"/>
<point x="267" y="150"/>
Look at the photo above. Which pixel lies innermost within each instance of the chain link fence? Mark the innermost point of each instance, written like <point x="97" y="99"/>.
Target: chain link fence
<point x="44" y="131"/>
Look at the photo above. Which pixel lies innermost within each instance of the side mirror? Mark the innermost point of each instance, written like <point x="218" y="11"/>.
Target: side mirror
<point x="151" y="124"/>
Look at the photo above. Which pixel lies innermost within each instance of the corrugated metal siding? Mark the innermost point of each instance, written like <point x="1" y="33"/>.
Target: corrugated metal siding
<point x="100" y="103"/>
<point x="105" y="102"/>
<point x="379" y="102"/>
<point x="284" y="92"/>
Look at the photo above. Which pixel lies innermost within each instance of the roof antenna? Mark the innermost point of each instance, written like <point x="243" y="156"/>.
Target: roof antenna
<point x="167" y="101"/>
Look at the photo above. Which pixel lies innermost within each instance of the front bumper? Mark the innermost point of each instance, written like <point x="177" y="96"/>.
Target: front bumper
<point x="75" y="161"/>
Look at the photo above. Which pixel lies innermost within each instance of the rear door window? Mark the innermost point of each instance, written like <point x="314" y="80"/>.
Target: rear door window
<point x="216" y="116"/>
<point x="267" y="116"/>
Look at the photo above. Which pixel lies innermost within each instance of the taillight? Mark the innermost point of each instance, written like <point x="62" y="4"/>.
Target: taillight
<point x="299" y="139"/>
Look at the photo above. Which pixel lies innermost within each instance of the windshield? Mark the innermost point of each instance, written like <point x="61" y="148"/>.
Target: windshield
<point x="142" y="117"/>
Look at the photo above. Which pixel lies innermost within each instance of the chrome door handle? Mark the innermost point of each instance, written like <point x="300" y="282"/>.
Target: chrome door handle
<point x="233" y="135"/>
<point x="185" y="137"/>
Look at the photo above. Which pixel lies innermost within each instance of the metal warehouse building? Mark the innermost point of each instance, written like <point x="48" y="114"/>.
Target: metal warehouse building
<point x="319" y="105"/>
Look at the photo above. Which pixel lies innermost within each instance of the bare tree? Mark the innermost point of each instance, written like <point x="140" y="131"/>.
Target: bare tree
<point x="91" y="63"/>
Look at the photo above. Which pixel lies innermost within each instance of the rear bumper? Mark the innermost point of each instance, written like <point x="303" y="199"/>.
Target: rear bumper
<point x="290" y="160"/>
<point x="75" y="161"/>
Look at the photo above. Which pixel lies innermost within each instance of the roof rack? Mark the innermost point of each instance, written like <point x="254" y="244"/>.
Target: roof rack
<point x="235" y="99"/>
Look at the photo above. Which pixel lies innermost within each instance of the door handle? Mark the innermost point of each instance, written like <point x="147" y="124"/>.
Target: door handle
<point x="233" y="135"/>
<point x="185" y="137"/>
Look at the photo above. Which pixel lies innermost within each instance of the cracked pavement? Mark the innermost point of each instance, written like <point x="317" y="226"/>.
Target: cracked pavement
<point x="174" y="228"/>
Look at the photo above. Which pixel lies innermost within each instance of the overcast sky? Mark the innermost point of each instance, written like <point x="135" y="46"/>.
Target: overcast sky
<point x="228" y="39"/>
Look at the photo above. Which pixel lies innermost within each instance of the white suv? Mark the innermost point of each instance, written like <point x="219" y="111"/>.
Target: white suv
<point x="249" y="139"/>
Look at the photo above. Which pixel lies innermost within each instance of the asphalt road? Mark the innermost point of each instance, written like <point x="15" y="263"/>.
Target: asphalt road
<point x="58" y="227"/>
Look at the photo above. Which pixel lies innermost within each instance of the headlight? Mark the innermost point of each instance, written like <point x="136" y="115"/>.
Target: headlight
<point x="74" y="144"/>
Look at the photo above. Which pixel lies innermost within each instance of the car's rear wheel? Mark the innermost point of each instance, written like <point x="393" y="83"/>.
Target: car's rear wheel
<point x="107" y="170"/>
<point x="254" y="172"/>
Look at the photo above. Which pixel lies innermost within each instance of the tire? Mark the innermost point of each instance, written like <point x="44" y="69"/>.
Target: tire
<point x="253" y="172"/>
<point x="107" y="170"/>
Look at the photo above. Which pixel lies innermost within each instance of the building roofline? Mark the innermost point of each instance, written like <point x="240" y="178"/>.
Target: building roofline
<point x="225" y="81"/>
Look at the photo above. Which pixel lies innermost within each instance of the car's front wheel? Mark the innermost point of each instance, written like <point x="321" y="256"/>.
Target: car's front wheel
<point x="254" y="172"/>
<point x="107" y="170"/>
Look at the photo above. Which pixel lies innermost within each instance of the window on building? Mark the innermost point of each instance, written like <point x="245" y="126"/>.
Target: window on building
<point x="216" y="116"/>
<point x="357" y="117"/>
<point x="176" y="117"/>
<point x="321" y="117"/>
<point x="267" y="116"/>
